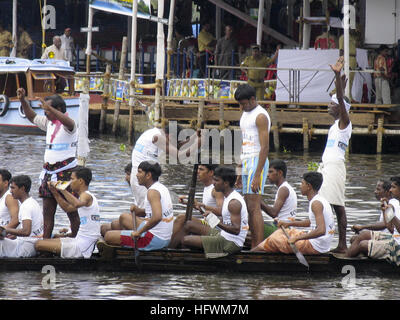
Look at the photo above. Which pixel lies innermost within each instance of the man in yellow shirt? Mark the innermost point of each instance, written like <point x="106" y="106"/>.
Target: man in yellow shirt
<point x="5" y="42"/>
<point x="24" y="43"/>
<point x="206" y="43"/>
<point x="255" y="78"/>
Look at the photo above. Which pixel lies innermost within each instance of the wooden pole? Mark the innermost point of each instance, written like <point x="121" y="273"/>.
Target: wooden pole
<point x="160" y="60"/>
<point x="133" y="71"/>
<point x="306" y="144"/>
<point x="379" y="136"/>
<point x="14" y="29"/>
<point x="346" y="36"/>
<point x="169" y="37"/>
<point x="120" y="77"/>
<point x="221" y="115"/>
<point x="260" y="21"/>
<point x="103" y="113"/>
<point x="275" y="128"/>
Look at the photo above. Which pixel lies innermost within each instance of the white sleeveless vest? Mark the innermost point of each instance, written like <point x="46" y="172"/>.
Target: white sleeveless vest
<point x="4" y="213"/>
<point x="322" y="244"/>
<point x="89" y="229"/>
<point x="337" y="143"/>
<point x="288" y="210"/>
<point x="226" y="219"/>
<point x="208" y="199"/>
<point x="163" y="229"/>
<point x="250" y="139"/>
<point x="145" y="149"/>
<point x="62" y="146"/>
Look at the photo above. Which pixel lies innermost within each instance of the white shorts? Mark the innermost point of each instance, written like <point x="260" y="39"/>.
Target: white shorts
<point x="70" y="248"/>
<point x="139" y="192"/>
<point x="17" y="248"/>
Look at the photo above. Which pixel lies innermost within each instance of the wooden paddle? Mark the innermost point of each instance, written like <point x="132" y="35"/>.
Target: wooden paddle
<point x="299" y="255"/>
<point x="137" y="252"/>
<point x="192" y="188"/>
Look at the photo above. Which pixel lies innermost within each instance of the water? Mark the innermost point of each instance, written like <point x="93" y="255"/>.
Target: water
<point x="24" y="155"/>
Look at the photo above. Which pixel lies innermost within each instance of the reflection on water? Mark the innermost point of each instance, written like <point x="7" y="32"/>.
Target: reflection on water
<point x="24" y="155"/>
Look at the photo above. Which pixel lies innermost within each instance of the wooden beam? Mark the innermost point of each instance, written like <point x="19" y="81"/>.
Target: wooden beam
<point x="269" y="31"/>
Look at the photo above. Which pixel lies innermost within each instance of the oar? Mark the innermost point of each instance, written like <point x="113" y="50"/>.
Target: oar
<point x="299" y="255"/>
<point x="137" y="253"/>
<point x="192" y="188"/>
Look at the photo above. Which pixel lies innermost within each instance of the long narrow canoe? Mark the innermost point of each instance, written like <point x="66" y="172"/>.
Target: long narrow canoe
<point x="118" y="259"/>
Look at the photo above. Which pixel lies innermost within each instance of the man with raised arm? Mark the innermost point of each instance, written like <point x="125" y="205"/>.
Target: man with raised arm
<point x="333" y="166"/>
<point x="155" y="229"/>
<point x="320" y="221"/>
<point x="233" y="228"/>
<point x="81" y="245"/>
<point x="255" y="125"/>
<point x="59" y="156"/>
<point x="30" y="226"/>
<point x="9" y="206"/>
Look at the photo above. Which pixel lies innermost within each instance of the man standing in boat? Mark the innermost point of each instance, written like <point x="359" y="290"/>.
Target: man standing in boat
<point x="155" y="230"/>
<point x="333" y="166"/>
<point x="255" y="125"/>
<point x="30" y="226"/>
<point x="59" y="156"/>
<point x="233" y="229"/>
<point x="321" y="222"/>
<point x="81" y="245"/>
<point x="9" y="206"/>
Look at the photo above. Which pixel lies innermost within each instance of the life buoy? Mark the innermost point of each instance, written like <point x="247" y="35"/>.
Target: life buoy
<point x="4" y="103"/>
<point x="21" y="110"/>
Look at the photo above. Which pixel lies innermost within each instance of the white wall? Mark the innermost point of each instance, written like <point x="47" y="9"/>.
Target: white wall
<point x="382" y="26"/>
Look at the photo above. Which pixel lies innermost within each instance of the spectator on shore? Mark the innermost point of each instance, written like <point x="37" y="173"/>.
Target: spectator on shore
<point x="67" y="43"/>
<point x="24" y="44"/>
<point x="55" y="51"/>
<point x="382" y="86"/>
<point x="223" y="53"/>
<point x="206" y="43"/>
<point x="5" y="41"/>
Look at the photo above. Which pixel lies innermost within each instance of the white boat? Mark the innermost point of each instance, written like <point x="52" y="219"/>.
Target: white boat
<point x="39" y="78"/>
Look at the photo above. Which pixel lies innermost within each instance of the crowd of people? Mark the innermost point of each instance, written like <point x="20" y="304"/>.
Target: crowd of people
<point x="231" y="221"/>
<point x="62" y="48"/>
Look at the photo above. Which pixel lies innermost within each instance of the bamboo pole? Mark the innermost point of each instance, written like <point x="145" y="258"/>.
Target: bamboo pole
<point x="160" y="59"/>
<point x="306" y="143"/>
<point x="346" y="25"/>
<point x="14" y="29"/>
<point x="275" y="127"/>
<point x="379" y="136"/>
<point x="133" y="71"/>
<point x="221" y="115"/>
<point x="120" y="77"/>
<point x="104" y="105"/>
<point x="260" y="21"/>
<point x="169" y="37"/>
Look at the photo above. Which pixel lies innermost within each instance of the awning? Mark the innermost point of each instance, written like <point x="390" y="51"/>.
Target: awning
<point x="124" y="7"/>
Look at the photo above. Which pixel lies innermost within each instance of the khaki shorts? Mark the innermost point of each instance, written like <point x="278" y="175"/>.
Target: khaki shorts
<point x="216" y="246"/>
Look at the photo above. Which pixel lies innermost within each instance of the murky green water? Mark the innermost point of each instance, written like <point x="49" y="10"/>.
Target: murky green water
<point x="24" y="155"/>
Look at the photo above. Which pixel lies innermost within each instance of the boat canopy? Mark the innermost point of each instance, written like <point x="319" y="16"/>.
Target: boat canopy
<point x="15" y="65"/>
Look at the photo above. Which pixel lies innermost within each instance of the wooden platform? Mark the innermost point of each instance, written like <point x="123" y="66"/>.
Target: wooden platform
<point x="302" y="118"/>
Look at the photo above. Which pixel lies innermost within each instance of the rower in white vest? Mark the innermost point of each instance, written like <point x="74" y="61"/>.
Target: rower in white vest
<point x="9" y="206"/>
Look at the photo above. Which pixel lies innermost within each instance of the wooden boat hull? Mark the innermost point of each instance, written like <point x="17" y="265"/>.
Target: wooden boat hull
<point x="117" y="259"/>
<point x="15" y="122"/>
